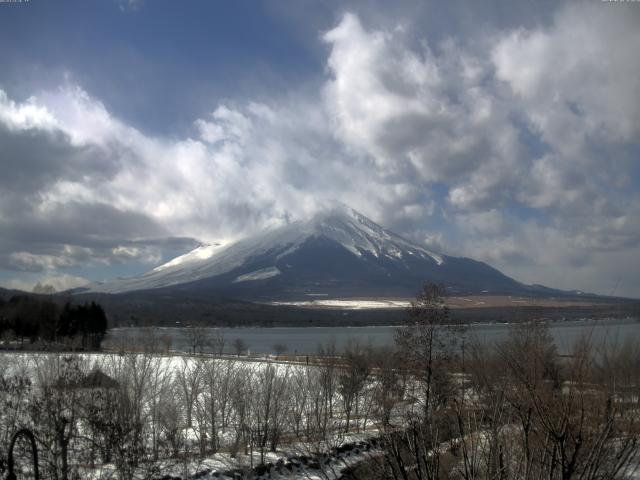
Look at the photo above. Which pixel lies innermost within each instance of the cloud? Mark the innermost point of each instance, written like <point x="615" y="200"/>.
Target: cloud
<point x="59" y="283"/>
<point x="130" y="5"/>
<point x="575" y="81"/>
<point x="515" y="147"/>
<point x="24" y="116"/>
<point x="575" y="76"/>
<point x="62" y="156"/>
<point x="516" y="131"/>
<point x="82" y="186"/>
<point x="418" y="114"/>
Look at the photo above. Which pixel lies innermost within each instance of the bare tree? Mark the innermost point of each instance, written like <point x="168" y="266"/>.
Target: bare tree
<point x="351" y="380"/>
<point x="316" y="413"/>
<point x="188" y="376"/>
<point x="389" y="387"/>
<point x="426" y="343"/>
<point x="166" y="341"/>
<point x="216" y="342"/>
<point x="239" y="346"/>
<point x="328" y="355"/>
<point x="196" y="336"/>
<point x="241" y="391"/>
<point x="300" y="399"/>
<point x="170" y="422"/>
<point x="215" y="398"/>
<point x="55" y="410"/>
<point x="537" y="416"/>
<point x="128" y="421"/>
<point x="279" y="349"/>
<point x="270" y="406"/>
<point x="160" y="385"/>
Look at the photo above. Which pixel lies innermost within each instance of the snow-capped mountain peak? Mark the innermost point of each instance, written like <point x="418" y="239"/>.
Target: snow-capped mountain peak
<point x="337" y="248"/>
<point x="359" y="234"/>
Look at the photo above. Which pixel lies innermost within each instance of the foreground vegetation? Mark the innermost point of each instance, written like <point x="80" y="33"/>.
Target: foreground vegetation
<point x="437" y="406"/>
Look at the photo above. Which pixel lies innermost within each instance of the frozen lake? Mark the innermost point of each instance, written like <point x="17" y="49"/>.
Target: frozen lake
<point x="306" y="340"/>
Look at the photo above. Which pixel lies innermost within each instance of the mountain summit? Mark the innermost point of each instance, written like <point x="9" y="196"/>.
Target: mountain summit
<point x="338" y="252"/>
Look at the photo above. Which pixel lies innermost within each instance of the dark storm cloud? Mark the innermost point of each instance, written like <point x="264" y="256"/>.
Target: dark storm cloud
<point x="33" y="159"/>
<point x="75" y="234"/>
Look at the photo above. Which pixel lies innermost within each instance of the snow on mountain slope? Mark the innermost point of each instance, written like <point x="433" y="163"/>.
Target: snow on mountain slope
<point x="358" y="234"/>
<point x="201" y="252"/>
<point x="340" y="224"/>
<point x="261" y="274"/>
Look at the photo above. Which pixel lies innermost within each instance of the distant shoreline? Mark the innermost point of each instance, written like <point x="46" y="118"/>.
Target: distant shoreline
<point x="230" y="315"/>
<point x="557" y="323"/>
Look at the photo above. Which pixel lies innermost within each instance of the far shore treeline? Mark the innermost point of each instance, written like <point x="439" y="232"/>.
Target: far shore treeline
<point x="43" y="323"/>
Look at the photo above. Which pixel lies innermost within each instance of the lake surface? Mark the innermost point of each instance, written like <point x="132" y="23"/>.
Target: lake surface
<point x="306" y="340"/>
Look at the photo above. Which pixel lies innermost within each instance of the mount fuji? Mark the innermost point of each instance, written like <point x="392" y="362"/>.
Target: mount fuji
<point x="337" y="253"/>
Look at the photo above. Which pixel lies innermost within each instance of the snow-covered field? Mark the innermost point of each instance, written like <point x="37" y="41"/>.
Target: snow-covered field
<point x="152" y="416"/>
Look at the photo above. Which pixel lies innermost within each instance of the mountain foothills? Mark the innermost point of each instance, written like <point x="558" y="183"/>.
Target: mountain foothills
<point x="338" y="253"/>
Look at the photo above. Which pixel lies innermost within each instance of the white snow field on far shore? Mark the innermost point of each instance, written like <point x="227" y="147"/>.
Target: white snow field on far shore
<point x="349" y="304"/>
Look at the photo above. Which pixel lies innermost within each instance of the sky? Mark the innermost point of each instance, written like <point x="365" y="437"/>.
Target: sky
<point x="505" y="131"/>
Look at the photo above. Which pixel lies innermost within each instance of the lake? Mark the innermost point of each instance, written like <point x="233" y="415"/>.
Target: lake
<point x="305" y="340"/>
